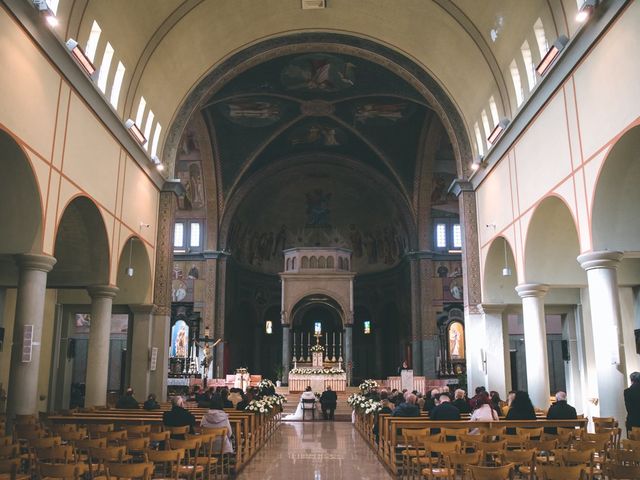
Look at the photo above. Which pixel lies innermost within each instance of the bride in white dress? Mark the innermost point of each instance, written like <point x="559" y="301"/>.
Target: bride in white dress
<point x="298" y="415"/>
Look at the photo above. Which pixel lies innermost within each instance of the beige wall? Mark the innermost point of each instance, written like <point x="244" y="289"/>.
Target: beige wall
<point x="562" y="152"/>
<point x="70" y="150"/>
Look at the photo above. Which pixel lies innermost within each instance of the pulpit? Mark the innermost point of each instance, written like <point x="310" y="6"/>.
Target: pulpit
<point x="406" y="380"/>
<point x="242" y="379"/>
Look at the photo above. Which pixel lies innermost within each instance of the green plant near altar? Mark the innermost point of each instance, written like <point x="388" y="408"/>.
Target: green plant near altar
<point x="317" y="348"/>
<point x="317" y="371"/>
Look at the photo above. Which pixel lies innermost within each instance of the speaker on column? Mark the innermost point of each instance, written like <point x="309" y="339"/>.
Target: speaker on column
<point x="565" y="350"/>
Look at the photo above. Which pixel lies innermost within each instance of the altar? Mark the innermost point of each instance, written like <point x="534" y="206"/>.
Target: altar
<point x="318" y="375"/>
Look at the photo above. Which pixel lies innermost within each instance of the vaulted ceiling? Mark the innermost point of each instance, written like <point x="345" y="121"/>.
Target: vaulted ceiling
<point x="169" y="47"/>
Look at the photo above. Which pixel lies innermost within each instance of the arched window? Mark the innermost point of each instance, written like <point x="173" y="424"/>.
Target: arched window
<point x="330" y="262"/>
<point x="322" y="262"/>
<point x="288" y="264"/>
<point x="313" y="262"/>
<point x="293" y="263"/>
<point x="305" y="262"/>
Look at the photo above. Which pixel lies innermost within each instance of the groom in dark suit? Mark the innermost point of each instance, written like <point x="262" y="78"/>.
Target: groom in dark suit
<point x="328" y="402"/>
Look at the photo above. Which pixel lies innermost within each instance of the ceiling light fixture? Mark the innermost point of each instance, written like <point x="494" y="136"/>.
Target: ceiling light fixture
<point x="80" y="57"/>
<point x="585" y="11"/>
<point x="552" y="54"/>
<point x="497" y="131"/>
<point x="506" y="271"/>
<point x="135" y="131"/>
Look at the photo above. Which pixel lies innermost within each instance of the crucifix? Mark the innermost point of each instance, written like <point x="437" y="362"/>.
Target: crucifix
<point x="207" y="345"/>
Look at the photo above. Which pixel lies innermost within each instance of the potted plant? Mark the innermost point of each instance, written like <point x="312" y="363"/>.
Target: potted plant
<point x="279" y="374"/>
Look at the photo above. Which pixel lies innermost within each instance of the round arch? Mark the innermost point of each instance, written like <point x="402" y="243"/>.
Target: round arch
<point x="311" y="302"/>
<point x="614" y="218"/>
<point x="81" y="247"/>
<point x="433" y="93"/>
<point x="21" y="213"/>
<point x="134" y="273"/>
<point x="322" y="296"/>
<point x="552" y="246"/>
<point x="498" y="284"/>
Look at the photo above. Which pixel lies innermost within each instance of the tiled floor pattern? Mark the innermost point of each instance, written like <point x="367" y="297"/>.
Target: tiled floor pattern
<point x="315" y="451"/>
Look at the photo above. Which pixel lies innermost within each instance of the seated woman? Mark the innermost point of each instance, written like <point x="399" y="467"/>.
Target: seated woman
<point x="299" y="413"/>
<point x="484" y="412"/>
<point x="216" y="417"/>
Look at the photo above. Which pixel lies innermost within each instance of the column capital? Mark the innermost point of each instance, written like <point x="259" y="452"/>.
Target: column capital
<point x="102" y="291"/>
<point x="489" y="308"/>
<point x="532" y="290"/>
<point x="600" y="259"/>
<point x="142" y="309"/>
<point x="35" y="261"/>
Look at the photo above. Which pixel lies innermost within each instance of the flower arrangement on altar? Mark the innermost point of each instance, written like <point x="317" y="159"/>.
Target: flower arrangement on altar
<point x="368" y="385"/>
<point x="317" y="348"/>
<point x="317" y="371"/>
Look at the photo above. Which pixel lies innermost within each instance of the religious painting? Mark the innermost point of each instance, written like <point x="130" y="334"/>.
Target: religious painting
<point x="318" y="72"/>
<point x="194" y="273"/>
<point x="82" y="323"/>
<point x="318" y="208"/>
<point x="189" y="144"/>
<point x="180" y="339"/>
<point x="317" y="134"/>
<point x="456" y="340"/>
<point x="190" y="175"/>
<point x="452" y="289"/>
<point x="381" y="113"/>
<point x="182" y="290"/>
<point x="252" y="111"/>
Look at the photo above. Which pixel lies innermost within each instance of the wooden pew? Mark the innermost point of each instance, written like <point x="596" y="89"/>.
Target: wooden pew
<point x="250" y="430"/>
<point x="389" y="429"/>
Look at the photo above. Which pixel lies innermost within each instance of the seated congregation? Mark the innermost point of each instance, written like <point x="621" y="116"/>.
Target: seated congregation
<point x="450" y="436"/>
<point x="202" y="435"/>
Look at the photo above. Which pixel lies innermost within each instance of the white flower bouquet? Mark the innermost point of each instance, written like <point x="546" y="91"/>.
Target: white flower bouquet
<point x="317" y="371"/>
<point x="265" y="383"/>
<point x="367" y="386"/>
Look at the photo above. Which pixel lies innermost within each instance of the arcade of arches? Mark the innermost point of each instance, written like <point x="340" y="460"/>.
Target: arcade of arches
<point x="327" y="178"/>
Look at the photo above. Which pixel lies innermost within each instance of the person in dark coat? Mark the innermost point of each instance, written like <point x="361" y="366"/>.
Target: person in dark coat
<point x="521" y="409"/>
<point x="127" y="400"/>
<point x="445" y="410"/>
<point x="560" y="410"/>
<point x="150" y="403"/>
<point x="178" y="416"/>
<point x="408" y="408"/>
<point x="246" y="399"/>
<point x="328" y="402"/>
<point x="632" y="402"/>
<point x="460" y="402"/>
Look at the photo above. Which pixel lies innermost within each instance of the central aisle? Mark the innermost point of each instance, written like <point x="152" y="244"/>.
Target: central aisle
<point x="317" y="451"/>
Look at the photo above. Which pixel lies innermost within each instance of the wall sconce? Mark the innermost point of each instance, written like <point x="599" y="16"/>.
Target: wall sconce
<point x="367" y="327"/>
<point x="552" y="54"/>
<point x="80" y="57"/>
<point x="130" y="268"/>
<point x="135" y="132"/>
<point x="268" y="327"/>
<point x="506" y="271"/>
<point x="497" y="131"/>
<point x="156" y="161"/>
<point x="477" y="162"/>
<point x="585" y="11"/>
<point x="483" y="359"/>
<point x="44" y="9"/>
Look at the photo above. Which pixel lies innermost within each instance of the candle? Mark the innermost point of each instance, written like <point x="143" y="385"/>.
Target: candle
<point x="326" y="338"/>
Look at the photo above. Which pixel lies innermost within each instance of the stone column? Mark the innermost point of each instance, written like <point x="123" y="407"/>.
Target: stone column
<point x="141" y="344"/>
<point x="604" y="300"/>
<point x="23" y="376"/>
<point x="99" y="340"/>
<point x="162" y="284"/>
<point x="379" y="349"/>
<point x="535" y="337"/>
<point x="286" y="354"/>
<point x="416" y="323"/>
<point x="496" y="348"/>
<point x="348" y="351"/>
<point x="474" y="350"/>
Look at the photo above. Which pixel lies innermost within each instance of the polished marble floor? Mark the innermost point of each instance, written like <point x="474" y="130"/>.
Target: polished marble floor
<point x="316" y="451"/>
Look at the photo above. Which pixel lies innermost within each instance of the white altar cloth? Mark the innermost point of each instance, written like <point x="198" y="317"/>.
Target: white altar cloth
<point x="318" y="382"/>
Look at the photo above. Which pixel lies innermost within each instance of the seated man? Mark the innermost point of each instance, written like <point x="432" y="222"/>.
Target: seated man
<point x="328" y="402"/>
<point x="178" y="416"/>
<point x="408" y="408"/>
<point x="127" y="400"/>
<point x="445" y="410"/>
<point x="560" y="410"/>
